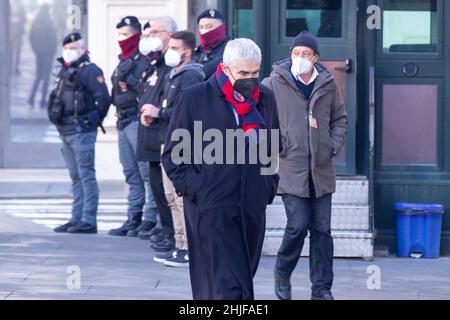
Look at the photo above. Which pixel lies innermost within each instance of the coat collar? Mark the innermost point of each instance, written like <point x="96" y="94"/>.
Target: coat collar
<point x="283" y="69"/>
<point x="212" y="82"/>
<point x="135" y="56"/>
<point x="191" y="66"/>
<point x="214" y="47"/>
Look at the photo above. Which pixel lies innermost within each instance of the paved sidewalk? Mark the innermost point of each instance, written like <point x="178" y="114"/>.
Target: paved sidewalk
<point x="34" y="264"/>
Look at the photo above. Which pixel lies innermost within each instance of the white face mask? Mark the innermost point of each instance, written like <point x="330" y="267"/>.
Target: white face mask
<point x="121" y="37"/>
<point x="301" y="66"/>
<point x="71" y="56"/>
<point x="173" y="58"/>
<point x="149" y="45"/>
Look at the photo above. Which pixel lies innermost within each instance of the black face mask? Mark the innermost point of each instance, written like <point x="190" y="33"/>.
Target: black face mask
<point x="245" y="87"/>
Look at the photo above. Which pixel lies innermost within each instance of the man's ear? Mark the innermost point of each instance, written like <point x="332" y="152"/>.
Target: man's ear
<point x="225" y="69"/>
<point x="316" y="58"/>
<point x="191" y="53"/>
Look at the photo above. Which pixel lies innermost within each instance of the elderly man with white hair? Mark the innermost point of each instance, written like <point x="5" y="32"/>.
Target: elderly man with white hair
<point x="225" y="198"/>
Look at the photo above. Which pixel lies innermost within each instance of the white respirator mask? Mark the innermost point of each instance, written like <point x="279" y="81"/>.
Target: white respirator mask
<point x="301" y="66"/>
<point x="148" y="45"/>
<point x="71" y="56"/>
<point x="173" y="58"/>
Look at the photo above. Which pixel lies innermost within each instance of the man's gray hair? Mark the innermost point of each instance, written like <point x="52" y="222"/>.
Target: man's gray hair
<point x="168" y="22"/>
<point x="241" y="49"/>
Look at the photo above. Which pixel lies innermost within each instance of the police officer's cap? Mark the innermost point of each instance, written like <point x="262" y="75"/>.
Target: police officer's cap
<point x="73" y="37"/>
<point x="130" y="21"/>
<point x="212" y="14"/>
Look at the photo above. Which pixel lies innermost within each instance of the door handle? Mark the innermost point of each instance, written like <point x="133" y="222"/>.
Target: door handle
<point x="347" y="68"/>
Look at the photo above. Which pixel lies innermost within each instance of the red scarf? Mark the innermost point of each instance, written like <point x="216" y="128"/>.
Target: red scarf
<point x="153" y="55"/>
<point x="213" y="37"/>
<point x="130" y="46"/>
<point x="246" y="109"/>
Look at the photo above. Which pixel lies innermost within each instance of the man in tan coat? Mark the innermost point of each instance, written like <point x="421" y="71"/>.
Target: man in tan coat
<point x="313" y="123"/>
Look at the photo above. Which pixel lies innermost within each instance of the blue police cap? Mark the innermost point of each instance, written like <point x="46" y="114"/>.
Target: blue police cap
<point x="130" y="21"/>
<point x="212" y="14"/>
<point x="73" y="37"/>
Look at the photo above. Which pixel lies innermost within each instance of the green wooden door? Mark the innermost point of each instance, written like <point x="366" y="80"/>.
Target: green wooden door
<point x="334" y="22"/>
<point x="412" y="114"/>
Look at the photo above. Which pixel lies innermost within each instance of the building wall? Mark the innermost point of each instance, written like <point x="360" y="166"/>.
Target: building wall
<point x="103" y="16"/>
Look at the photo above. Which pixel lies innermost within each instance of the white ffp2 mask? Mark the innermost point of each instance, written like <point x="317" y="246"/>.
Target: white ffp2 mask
<point x="149" y="45"/>
<point x="71" y="56"/>
<point x="173" y="58"/>
<point x="301" y="66"/>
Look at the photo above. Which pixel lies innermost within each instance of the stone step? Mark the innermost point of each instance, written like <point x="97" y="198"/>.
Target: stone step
<point x="347" y="244"/>
<point x="344" y="217"/>
<point x="352" y="191"/>
<point x="348" y="192"/>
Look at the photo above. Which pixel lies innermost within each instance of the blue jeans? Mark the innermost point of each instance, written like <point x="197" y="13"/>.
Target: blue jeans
<point x="140" y="196"/>
<point x="313" y="215"/>
<point x="79" y="155"/>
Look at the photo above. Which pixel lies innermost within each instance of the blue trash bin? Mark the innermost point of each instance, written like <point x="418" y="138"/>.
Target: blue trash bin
<point x="419" y="229"/>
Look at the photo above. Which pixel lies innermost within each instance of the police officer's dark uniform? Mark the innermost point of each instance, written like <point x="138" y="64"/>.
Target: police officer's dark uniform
<point x="129" y="71"/>
<point x="77" y="106"/>
<point x="212" y="56"/>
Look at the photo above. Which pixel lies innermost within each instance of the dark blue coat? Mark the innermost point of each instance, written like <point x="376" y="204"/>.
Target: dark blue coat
<point x="225" y="205"/>
<point x="151" y="88"/>
<point x="129" y="71"/>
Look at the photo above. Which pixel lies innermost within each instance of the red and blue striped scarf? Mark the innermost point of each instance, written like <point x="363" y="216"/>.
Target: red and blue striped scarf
<point x="249" y="115"/>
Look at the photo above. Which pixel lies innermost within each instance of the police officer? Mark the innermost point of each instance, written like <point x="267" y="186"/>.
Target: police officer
<point x="77" y="106"/>
<point x="213" y="38"/>
<point x="125" y="94"/>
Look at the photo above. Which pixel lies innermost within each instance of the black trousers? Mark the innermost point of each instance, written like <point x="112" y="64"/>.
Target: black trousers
<point x="224" y="251"/>
<point x="313" y="215"/>
<point x="156" y="183"/>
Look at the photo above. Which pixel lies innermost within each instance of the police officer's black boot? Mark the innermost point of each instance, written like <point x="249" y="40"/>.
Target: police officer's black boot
<point x="132" y="224"/>
<point x="65" y="227"/>
<point x="145" y="226"/>
<point x="83" y="228"/>
<point x="166" y="245"/>
<point x="283" y="287"/>
<point x="147" y="235"/>
<point x="324" y="297"/>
